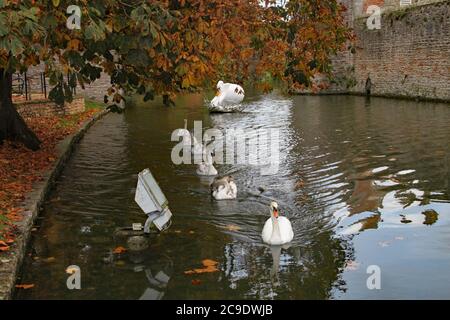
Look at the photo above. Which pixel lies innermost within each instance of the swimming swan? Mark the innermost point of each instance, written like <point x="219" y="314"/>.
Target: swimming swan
<point x="206" y="168"/>
<point x="189" y="138"/>
<point x="224" y="188"/>
<point x="277" y="230"/>
<point x="228" y="97"/>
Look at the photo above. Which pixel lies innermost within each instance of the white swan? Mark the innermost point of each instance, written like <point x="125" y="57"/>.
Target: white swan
<point x="184" y="133"/>
<point x="206" y="167"/>
<point x="189" y="138"/>
<point x="228" y="98"/>
<point x="277" y="230"/>
<point x="224" y="188"/>
<point x="197" y="147"/>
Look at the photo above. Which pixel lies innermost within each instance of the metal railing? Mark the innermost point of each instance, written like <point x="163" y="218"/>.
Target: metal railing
<point x="22" y="84"/>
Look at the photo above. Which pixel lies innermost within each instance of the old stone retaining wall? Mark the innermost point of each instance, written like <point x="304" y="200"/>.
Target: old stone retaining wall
<point x="408" y="57"/>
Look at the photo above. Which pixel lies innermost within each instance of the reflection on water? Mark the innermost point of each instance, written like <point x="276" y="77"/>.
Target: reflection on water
<point x="363" y="182"/>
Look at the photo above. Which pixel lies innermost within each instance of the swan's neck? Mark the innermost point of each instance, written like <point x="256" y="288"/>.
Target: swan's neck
<point x="209" y="159"/>
<point x="276" y="233"/>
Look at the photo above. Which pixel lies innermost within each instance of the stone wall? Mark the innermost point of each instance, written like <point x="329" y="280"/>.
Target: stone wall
<point x="45" y="108"/>
<point x="409" y="56"/>
<point x="94" y="91"/>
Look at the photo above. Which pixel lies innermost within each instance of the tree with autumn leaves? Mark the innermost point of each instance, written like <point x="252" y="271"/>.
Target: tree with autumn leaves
<point x="164" y="47"/>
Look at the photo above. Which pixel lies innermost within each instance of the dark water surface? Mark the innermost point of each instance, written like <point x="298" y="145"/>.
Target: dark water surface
<point x="363" y="183"/>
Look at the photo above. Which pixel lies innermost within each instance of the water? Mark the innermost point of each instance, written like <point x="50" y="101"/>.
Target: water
<point x="355" y="179"/>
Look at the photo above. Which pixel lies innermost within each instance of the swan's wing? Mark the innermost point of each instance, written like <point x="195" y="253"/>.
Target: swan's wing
<point x="233" y="187"/>
<point x="231" y="94"/>
<point x="227" y="87"/>
<point x="286" y="229"/>
<point x="221" y="193"/>
<point x="267" y="230"/>
<point x="214" y="102"/>
<point x="201" y="168"/>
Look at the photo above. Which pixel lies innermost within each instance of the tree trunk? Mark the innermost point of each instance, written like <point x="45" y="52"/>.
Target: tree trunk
<point x="12" y="126"/>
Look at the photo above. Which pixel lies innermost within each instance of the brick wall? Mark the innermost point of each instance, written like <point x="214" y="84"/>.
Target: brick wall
<point x="43" y="108"/>
<point x="409" y="56"/>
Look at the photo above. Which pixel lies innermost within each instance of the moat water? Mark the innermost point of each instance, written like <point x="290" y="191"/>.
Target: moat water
<point x="364" y="183"/>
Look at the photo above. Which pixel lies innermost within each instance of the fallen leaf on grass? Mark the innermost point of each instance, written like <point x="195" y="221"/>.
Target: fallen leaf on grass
<point x="208" y="266"/>
<point x="119" y="250"/>
<point x="24" y="286"/>
<point x="196" y="282"/>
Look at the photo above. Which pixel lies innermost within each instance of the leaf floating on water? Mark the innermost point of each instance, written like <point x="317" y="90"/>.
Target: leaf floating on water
<point x="384" y="243"/>
<point x="232" y="227"/>
<point x="431" y="217"/>
<point x="71" y="270"/>
<point x="196" y="282"/>
<point x="352" y="265"/>
<point x="209" y="263"/>
<point x="404" y="220"/>
<point x="120" y="263"/>
<point x="119" y="250"/>
<point x="50" y="259"/>
<point x="24" y="286"/>
<point x="208" y="266"/>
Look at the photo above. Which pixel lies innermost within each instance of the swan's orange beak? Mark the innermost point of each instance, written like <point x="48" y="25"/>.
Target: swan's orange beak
<point x="275" y="213"/>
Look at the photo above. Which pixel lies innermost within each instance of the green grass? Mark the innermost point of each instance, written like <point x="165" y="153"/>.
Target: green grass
<point x="91" y="104"/>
